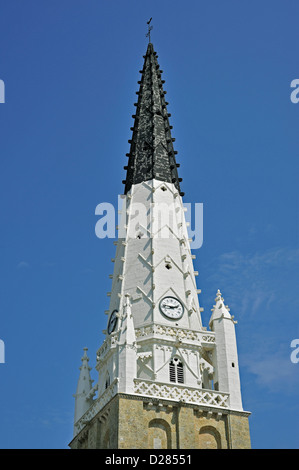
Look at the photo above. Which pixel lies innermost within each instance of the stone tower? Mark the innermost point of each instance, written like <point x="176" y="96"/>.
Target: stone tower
<point x="164" y="380"/>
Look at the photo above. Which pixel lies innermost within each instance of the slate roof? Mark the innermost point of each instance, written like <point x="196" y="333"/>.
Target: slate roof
<point x="151" y="147"/>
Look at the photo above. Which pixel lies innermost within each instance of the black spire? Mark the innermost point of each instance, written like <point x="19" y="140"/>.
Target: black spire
<point x="151" y="153"/>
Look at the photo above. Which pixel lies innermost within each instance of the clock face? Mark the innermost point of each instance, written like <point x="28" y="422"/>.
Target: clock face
<point x="112" y="322"/>
<point x="171" y="308"/>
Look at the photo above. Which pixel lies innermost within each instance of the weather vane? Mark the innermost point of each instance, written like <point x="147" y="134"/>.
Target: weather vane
<point x="148" y="35"/>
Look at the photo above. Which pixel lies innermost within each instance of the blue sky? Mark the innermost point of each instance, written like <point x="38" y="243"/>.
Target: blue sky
<point x="70" y="70"/>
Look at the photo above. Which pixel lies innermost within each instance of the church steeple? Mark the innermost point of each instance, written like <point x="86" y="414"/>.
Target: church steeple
<point x="151" y="151"/>
<point x="164" y="380"/>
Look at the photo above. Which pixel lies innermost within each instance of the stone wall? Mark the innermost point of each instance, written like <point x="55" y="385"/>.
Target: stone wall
<point x="129" y="422"/>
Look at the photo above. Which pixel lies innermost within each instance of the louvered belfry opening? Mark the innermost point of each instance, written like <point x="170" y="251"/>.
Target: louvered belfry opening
<point x="176" y="371"/>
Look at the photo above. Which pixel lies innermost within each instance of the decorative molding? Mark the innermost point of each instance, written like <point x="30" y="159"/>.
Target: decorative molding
<point x="181" y="393"/>
<point x="144" y="355"/>
<point x="174" y="333"/>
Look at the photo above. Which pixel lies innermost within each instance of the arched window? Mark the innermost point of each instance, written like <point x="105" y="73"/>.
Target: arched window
<point x="159" y="434"/>
<point x="209" y="438"/>
<point x="176" y="371"/>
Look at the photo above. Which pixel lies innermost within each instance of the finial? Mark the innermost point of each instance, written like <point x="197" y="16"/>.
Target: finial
<point x="148" y="34"/>
<point x="218" y="295"/>
<point x="85" y="357"/>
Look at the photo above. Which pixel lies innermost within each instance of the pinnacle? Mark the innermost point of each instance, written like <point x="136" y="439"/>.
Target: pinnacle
<point x="220" y="310"/>
<point x="84" y="382"/>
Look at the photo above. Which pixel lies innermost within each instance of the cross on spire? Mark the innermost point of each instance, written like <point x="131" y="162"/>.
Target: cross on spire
<point x="148" y="34"/>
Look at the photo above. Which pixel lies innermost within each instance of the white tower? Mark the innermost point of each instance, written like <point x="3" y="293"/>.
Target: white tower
<point x="157" y="365"/>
